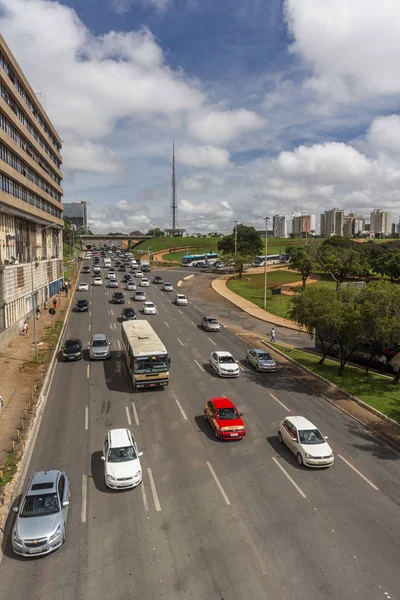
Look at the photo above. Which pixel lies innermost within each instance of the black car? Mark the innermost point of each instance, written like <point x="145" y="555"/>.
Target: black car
<point x="157" y="279"/>
<point x="126" y="278"/>
<point x="118" y="298"/>
<point x="122" y="269"/>
<point x="72" y="350"/>
<point x="82" y="306"/>
<point x="145" y="269"/>
<point x="117" y="263"/>
<point x="86" y="270"/>
<point x="128" y="314"/>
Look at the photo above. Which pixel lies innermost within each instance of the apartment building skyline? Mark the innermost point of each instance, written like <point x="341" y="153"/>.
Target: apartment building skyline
<point x="381" y="222"/>
<point x="31" y="210"/>
<point x="332" y="222"/>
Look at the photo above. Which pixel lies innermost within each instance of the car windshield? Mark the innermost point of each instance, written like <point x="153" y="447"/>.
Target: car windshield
<point x="99" y="343"/>
<point x="226" y="359"/>
<point x="72" y="346"/>
<point x="128" y="312"/>
<point x="82" y="303"/>
<point x="118" y="295"/>
<point x="148" y="364"/>
<point x="139" y="294"/>
<point x="212" y="321"/>
<point x="227" y="413"/>
<point x="264" y="356"/>
<point x="43" y="504"/>
<point x="118" y="455"/>
<point x="311" y="436"/>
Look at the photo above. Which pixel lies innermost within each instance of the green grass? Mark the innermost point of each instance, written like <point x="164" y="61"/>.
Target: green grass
<point x="374" y="390"/>
<point x="177" y="256"/>
<point x="157" y="244"/>
<point x="9" y="469"/>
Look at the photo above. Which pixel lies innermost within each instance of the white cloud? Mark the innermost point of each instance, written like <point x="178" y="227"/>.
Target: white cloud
<point x="123" y="6"/>
<point x="91" y="157"/>
<point x="203" y="156"/>
<point x="221" y="210"/>
<point x="384" y="134"/>
<point x="219" y="127"/>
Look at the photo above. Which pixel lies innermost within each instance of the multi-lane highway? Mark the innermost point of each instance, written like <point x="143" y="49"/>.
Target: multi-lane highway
<point x="212" y="520"/>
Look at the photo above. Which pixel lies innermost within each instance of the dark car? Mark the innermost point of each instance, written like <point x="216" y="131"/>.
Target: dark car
<point x="72" y="350"/>
<point x="146" y="269"/>
<point x="157" y="279"/>
<point x="82" y="306"/>
<point x="118" y="298"/>
<point x="126" y="278"/>
<point x="122" y="268"/>
<point x="86" y="270"/>
<point x="128" y="314"/>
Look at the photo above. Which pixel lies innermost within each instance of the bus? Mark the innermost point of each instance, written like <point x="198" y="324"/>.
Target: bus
<point x="272" y="259"/>
<point x="189" y="260"/>
<point x="146" y="357"/>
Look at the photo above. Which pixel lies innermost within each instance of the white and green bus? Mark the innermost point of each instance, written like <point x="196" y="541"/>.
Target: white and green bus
<point x="146" y="356"/>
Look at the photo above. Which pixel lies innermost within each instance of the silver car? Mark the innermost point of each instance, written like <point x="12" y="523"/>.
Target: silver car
<point x="131" y="286"/>
<point x="113" y="283"/>
<point x="99" y="347"/>
<point x="260" y="359"/>
<point x="40" y="526"/>
<point x="210" y="324"/>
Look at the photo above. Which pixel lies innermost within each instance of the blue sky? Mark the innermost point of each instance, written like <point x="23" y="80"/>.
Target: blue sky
<point x="274" y="105"/>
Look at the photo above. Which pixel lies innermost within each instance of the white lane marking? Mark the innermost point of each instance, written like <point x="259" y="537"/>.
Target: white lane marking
<point x="194" y="324"/>
<point x="84" y="498"/>
<point x="154" y="491"/>
<point x="112" y="312"/>
<point x="179" y="283"/>
<point x="241" y="368"/>
<point x="108" y="312"/>
<point x="90" y="303"/>
<point x="90" y="313"/>
<point x="128" y="416"/>
<point x="289" y="478"/>
<point x="144" y="496"/>
<point x="180" y="311"/>
<point x="86" y="418"/>
<point x="119" y="344"/>
<point x="189" y="277"/>
<point x="212" y="341"/>
<point x="194" y="305"/>
<point x="359" y="473"/>
<point x="115" y="326"/>
<point x="166" y="323"/>
<point x="88" y="371"/>
<point x="110" y="325"/>
<point x="90" y="327"/>
<point x="135" y="413"/>
<point x="199" y="365"/>
<point x="217" y="481"/>
<point x="181" y="343"/>
<point x="279" y="402"/>
<point x="181" y="409"/>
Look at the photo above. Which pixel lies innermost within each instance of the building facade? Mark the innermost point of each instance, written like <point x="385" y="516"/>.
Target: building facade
<point x="332" y="222"/>
<point x="280" y="226"/>
<point x="76" y="213"/>
<point x="301" y="225"/>
<point x="31" y="210"/>
<point x="381" y="222"/>
<point x="353" y="224"/>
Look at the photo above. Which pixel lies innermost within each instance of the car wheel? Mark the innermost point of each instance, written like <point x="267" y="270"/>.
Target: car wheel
<point x="280" y="438"/>
<point x="299" y="459"/>
<point x="205" y="417"/>
<point x="257" y="369"/>
<point x="64" y="535"/>
<point x="247" y="360"/>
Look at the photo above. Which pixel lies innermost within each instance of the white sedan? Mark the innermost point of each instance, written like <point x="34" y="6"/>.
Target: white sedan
<point x="97" y="281"/>
<point x="145" y="282"/>
<point x="224" y="364"/>
<point x="180" y="300"/>
<point x="83" y="287"/>
<point x="138" y="274"/>
<point x="306" y="442"/>
<point x="131" y="286"/>
<point x="149" y="308"/>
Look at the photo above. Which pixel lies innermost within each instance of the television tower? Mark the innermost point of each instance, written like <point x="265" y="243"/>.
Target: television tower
<point x="174" y="204"/>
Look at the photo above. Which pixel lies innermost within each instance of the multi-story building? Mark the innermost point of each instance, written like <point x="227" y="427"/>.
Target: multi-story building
<point x="76" y="213"/>
<point x="381" y="222"/>
<point x="398" y="227"/>
<point x="31" y="210"/>
<point x="353" y="224"/>
<point x="280" y="226"/>
<point x="332" y="222"/>
<point x="301" y="225"/>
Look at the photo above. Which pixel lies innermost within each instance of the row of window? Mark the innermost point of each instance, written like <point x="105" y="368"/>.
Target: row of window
<point x="21" y="141"/>
<point x="27" y="99"/>
<point x="19" y="165"/>
<point x="26" y="122"/>
<point x="9" y="186"/>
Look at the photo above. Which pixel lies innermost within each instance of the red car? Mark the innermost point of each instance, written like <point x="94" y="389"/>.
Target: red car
<point x="225" y="419"/>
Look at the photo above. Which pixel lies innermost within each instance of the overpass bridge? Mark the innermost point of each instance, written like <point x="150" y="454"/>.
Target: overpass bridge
<point x="117" y="240"/>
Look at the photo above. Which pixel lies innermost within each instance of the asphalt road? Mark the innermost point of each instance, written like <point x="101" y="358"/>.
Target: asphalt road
<point x="213" y="520"/>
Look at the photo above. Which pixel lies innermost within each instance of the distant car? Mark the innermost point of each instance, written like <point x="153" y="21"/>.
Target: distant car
<point x="113" y="283"/>
<point x="82" y="306"/>
<point x="99" y="347"/>
<point x="225" y="419"/>
<point x="40" y="525"/>
<point x="167" y="287"/>
<point x="146" y="269"/>
<point x="97" y="281"/>
<point x="210" y="324"/>
<point x="112" y="277"/>
<point x="118" y="298"/>
<point x="306" y="442"/>
<point x="260" y="359"/>
<point x="224" y="364"/>
<point x="157" y="279"/>
<point x="131" y="286"/>
<point x="126" y="278"/>
<point x="139" y="295"/>
<point x="111" y="272"/>
<point x="122" y="468"/>
<point x="122" y="269"/>
<point x="83" y="287"/>
<point x="128" y="314"/>
<point x="180" y="300"/>
<point x="86" y="270"/>
<point x="149" y="308"/>
<point x="139" y="274"/>
<point x="145" y="282"/>
<point x="72" y="349"/>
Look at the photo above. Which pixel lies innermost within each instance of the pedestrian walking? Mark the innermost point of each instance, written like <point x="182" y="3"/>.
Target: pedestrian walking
<point x="1" y="403"/>
<point x="46" y="304"/>
<point x="38" y="313"/>
<point x="69" y="283"/>
<point x="273" y="334"/>
<point x="55" y="303"/>
<point x="25" y="328"/>
<point x="66" y="292"/>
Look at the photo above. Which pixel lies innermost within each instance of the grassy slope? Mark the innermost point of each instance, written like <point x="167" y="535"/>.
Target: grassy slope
<point x="375" y="390"/>
<point x="157" y="244"/>
<point x="177" y="256"/>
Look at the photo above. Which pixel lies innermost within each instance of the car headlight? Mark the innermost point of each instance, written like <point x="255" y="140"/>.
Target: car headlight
<point x="110" y="477"/>
<point x="16" y="537"/>
<point x="308" y="455"/>
<point x="55" y="534"/>
<point x="331" y="455"/>
<point x="138" y="473"/>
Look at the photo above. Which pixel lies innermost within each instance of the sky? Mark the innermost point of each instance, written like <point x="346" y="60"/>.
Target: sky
<point x="274" y="105"/>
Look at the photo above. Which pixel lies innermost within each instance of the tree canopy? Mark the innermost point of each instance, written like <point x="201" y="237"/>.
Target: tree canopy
<point x="248" y="241"/>
<point x="303" y="259"/>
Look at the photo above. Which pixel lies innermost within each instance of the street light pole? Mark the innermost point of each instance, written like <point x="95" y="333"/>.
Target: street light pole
<point x="265" y="262"/>
<point x="236" y="224"/>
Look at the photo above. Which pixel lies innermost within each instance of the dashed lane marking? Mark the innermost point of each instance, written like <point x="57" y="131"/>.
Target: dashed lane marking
<point x="212" y="341"/>
<point x="279" y="402"/>
<point x="154" y="490"/>
<point x="199" y="365"/>
<point x="181" y="343"/>
<point x="128" y="416"/>
<point x="84" y="498"/>
<point x="358" y="472"/>
<point x="135" y="414"/>
<point x="292" y="481"/>
<point x="219" y="485"/>
<point x="88" y="371"/>
<point x="166" y="323"/>
<point x="86" y="418"/>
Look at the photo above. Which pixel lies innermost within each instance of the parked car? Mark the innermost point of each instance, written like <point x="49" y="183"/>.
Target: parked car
<point x="118" y="298"/>
<point x="180" y="300"/>
<point x="225" y="419"/>
<point x="82" y="306"/>
<point x="72" y="349"/>
<point x="99" y="347"/>
<point x="306" y="442"/>
<point x="260" y="359"/>
<point x="167" y="287"/>
<point x="210" y="324"/>
<point x="128" y="314"/>
<point x="122" y="468"/>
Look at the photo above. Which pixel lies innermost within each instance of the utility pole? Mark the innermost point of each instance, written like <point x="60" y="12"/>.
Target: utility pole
<point x="265" y="262"/>
<point x="236" y="224"/>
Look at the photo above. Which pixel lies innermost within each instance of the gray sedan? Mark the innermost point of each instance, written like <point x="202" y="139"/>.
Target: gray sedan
<point x="40" y="526"/>
<point x="260" y="359"/>
<point x="99" y="347"/>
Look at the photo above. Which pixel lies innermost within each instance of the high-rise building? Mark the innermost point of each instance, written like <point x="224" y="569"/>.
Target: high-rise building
<point x="398" y="226"/>
<point x="381" y="222"/>
<point x="76" y="213"/>
<point x="332" y="222"/>
<point x="301" y="225"/>
<point x="281" y="226"/>
<point x="31" y="210"/>
<point x="353" y="224"/>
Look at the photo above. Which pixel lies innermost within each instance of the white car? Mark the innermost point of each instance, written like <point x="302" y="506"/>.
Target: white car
<point x="167" y="287"/>
<point x="139" y="295"/>
<point x="138" y="274"/>
<point x="149" y="308"/>
<point x="145" y="282"/>
<point x="112" y="277"/>
<point x="97" y="281"/>
<point x="122" y="468"/>
<point x="180" y="300"/>
<point x="306" y="442"/>
<point x="113" y="283"/>
<point x="83" y="287"/>
<point x="224" y="364"/>
<point x="131" y="286"/>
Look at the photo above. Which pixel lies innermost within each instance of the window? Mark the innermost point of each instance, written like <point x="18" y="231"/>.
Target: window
<point x="61" y="487"/>
<point x="9" y="186"/>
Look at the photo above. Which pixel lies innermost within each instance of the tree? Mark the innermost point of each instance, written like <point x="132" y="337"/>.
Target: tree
<point x="340" y="257"/>
<point x="248" y="241"/>
<point x="303" y="259"/>
<point x="156" y="232"/>
<point x="388" y="264"/>
<point x="238" y="261"/>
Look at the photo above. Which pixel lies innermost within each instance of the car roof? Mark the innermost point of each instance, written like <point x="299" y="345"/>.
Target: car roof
<point x="149" y="302"/>
<point x="222" y="403"/>
<point x="167" y="283"/>
<point x="210" y="317"/>
<point x="223" y="353"/>
<point x="260" y="350"/>
<point x="118" y="438"/>
<point x="82" y="301"/>
<point x="73" y="341"/>
<point x="99" y="336"/>
<point x="301" y="422"/>
<point x="181" y="295"/>
<point x="44" y="481"/>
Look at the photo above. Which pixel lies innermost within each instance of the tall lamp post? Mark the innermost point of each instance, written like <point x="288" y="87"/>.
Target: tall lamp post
<point x="236" y="224"/>
<point x="265" y="262"/>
